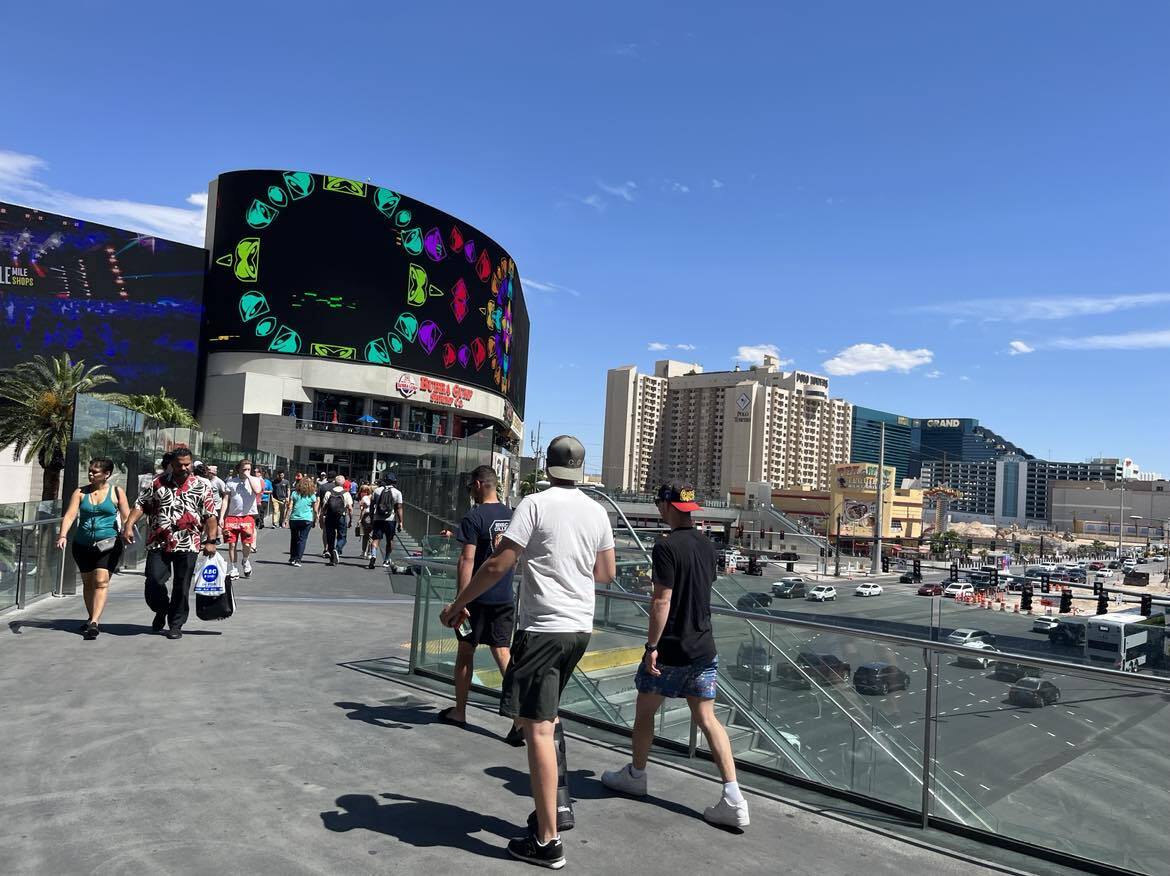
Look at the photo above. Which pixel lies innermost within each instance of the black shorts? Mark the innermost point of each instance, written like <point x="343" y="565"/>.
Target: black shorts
<point x="538" y="672"/>
<point x="491" y="625"/>
<point x="89" y="558"/>
<point x="381" y="529"/>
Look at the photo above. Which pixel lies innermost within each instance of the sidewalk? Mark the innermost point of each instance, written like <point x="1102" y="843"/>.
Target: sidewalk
<point x="250" y="747"/>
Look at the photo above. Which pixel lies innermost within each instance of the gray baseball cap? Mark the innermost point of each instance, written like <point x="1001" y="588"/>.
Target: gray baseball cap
<point x="566" y="458"/>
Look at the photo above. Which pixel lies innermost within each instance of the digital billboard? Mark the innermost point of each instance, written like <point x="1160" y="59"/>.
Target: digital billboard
<point x="128" y="301"/>
<point x="306" y="264"/>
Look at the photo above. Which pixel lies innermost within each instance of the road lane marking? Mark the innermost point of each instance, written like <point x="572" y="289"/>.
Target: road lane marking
<point x="985" y="788"/>
<point x="1066" y="742"/>
<point x="1090" y="720"/>
<point x="959" y="774"/>
<point x="1050" y="733"/>
<point x="1030" y="724"/>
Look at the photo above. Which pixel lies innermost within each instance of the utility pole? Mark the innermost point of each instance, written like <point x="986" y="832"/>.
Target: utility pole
<point x="537" y="447"/>
<point x="1121" y="516"/>
<point x="876" y="565"/>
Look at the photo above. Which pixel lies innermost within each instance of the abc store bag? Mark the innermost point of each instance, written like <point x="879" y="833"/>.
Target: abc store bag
<point x="213" y="589"/>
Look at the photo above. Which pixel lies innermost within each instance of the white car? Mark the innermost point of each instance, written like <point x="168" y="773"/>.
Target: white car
<point x="982" y="654"/>
<point x="822" y="592"/>
<point x="958" y="589"/>
<point x="868" y="589"/>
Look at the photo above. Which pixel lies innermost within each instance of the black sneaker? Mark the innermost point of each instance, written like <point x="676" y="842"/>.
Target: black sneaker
<point x="551" y="855"/>
<point x="515" y="737"/>
<point x="175" y="633"/>
<point x="85" y="623"/>
<point x="160" y="621"/>
<point x="565" y="820"/>
<point x="91" y="631"/>
<point x="371" y="562"/>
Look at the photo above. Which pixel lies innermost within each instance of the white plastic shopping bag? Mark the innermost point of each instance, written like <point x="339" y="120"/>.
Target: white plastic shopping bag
<point x="210" y="573"/>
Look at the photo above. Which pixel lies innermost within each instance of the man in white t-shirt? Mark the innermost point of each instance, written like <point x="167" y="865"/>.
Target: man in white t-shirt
<point x="566" y="542"/>
<point x="385" y="519"/>
<point x="237" y="514"/>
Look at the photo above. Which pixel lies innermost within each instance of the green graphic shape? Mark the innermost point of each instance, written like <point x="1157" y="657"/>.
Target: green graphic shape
<point x="260" y="215"/>
<point x="385" y="201"/>
<point x="253" y="304"/>
<point x="333" y="351"/>
<point x="407" y="326"/>
<point x="395" y="341"/>
<point x="225" y="260"/>
<point x="286" y="341"/>
<point x="277" y="196"/>
<point x="300" y="184"/>
<point x="377" y="353"/>
<point x="434" y="291"/>
<point x="412" y="241"/>
<point x="248" y="259"/>
<point x="403" y="218"/>
<point x="265" y="327"/>
<point x="345" y="186"/>
<point x="416" y="290"/>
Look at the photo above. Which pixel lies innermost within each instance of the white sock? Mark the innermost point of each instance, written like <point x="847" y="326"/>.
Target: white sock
<point x="554" y="839"/>
<point x="732" y="793"/>
<point x="635" y="772"/>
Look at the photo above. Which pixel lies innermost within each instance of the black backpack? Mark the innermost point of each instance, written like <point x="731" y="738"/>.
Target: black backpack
<point x="335" y="503"/>
<point x="385" y="507"/>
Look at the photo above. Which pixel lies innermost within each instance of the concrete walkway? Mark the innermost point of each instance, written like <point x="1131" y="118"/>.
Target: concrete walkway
<point x="250" y="747"/>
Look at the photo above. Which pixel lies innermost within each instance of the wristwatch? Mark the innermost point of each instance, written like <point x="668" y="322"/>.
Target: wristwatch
<point x="211" y="541"/>
<point x="650" y="647"/>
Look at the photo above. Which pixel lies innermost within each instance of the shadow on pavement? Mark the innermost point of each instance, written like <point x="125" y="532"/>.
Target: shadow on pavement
<point x="420" y="823"/>
<point x="73" y="625"/>
<point x="405" y="717"/>
<point x="583" y="785"/>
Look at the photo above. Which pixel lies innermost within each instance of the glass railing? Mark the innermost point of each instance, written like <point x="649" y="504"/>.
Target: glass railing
<point x="1014" y="747"/>
<point x="30" y="564"/>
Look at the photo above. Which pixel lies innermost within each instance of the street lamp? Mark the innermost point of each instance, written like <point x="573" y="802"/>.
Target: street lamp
<point x="837" y="550"/>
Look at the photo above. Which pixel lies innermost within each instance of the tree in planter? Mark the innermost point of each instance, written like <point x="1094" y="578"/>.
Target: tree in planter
<point x="37" y="399"/>
<point x="528" y="485"/>
<point x="1099" y="548"/>
<point x="161" y="409"/>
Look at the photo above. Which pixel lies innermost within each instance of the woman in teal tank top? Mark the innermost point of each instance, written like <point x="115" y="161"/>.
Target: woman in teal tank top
<point x="97" y="547"/>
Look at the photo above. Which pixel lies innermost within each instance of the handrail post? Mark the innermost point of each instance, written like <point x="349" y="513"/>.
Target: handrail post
<point x="927" y="735"/>
<point x="693" y="745"/>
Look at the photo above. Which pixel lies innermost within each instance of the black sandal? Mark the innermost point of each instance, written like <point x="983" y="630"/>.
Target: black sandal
<point x="445" y="718"/>
<point x="91" y="631"/>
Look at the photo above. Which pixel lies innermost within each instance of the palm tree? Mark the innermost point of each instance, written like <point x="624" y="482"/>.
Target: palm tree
<point x="36" y="410"/>
<point x="161" y="409"/>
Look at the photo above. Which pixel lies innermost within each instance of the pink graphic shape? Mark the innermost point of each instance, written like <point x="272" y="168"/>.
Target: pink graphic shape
<point x="478" y="352"/>
<point x="460" y="300"/>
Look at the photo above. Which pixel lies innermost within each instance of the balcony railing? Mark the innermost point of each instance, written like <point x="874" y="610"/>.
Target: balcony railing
<point x="372" y="431"/>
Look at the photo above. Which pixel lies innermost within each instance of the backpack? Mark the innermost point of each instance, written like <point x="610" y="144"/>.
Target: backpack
<point x="335" y="503"/>
<point x="384" y="509"/>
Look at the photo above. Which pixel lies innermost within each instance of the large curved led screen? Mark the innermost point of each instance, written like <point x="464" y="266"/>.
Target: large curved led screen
<point x="127" y="301"/>
<point x="310" y="265"/>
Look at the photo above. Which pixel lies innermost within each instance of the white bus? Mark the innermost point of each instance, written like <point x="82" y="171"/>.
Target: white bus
<point x="1117" y="641"/>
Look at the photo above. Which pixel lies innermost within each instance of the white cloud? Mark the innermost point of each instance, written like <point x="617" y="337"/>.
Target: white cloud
<point x="964" y="377"/>
<point x="684" y="346"/>
<point x="679" y="187"/>
<point x="625" y="190"/>
<point x="537" y="285"/>
<point x="625" y="50"/>
<point x="19" y="182"/>
<point x="595" y="201"/>
<point x="754" y="354"/>
<point x="863" y="358"/>
<point x="1063" y="307"/>
<point x="1019" y="348"/>
<point x="1147" y="340"/>
<point x="657" y="346"/>
<point x="716" y="183"/>
<point x="933" y="375"/>
<point x="199" y="199"/>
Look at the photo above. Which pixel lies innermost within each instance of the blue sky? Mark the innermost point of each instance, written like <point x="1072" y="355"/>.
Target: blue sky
<point x="951" y="209"/>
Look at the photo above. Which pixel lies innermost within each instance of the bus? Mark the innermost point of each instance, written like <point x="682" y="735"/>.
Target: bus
<point x="1117" y="640"/>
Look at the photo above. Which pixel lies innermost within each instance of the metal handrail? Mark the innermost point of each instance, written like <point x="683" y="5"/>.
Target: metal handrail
<point x="373" y="431"/>
<point x="599" y="494"/>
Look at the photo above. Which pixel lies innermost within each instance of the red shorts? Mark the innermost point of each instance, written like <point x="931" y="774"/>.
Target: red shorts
<point x="240" y="529"/>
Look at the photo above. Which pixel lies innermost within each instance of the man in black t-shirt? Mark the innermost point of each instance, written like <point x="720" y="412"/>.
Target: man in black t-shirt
<point x="493" y="613"/>
<point x="680" y="658"/>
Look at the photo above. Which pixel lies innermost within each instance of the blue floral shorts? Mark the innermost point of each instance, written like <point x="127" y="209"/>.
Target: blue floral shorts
<point x="694" y="680"/>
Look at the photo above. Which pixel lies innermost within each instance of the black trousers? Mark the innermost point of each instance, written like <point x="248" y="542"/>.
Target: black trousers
<point x="161" y="565"/>
<point x="332" y="526"/>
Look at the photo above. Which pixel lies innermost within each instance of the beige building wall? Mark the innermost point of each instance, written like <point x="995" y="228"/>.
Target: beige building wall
<point x="633" y="416"/>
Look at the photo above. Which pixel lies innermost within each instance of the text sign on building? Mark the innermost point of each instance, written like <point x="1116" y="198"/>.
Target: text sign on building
<point x="743" y="406"/>
<point x="439" y="392"/>
<point x="942" y="424"/>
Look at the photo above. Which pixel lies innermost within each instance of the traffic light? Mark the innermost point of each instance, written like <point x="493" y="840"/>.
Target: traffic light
<point x="781" y="534"/>
<point x="739" y="531"/>
<point x="994" y="542"/>
<point x="917" y="568"/>
<point x="1066" y="601"/>
<point x="1044" y="586"/>
<point x="970" y="545"/>
<point x="885" y="564"/>
<point x="954" y="573"/>
<point x="995" y="577"/>
<point x="1103" y="602"/>
<point x="1026" y="598"/>
<point x="1147" y="605"/>
<point x="1096" y="586"/>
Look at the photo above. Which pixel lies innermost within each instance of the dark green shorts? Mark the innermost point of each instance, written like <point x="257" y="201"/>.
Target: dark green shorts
<point x="538" y="672"/>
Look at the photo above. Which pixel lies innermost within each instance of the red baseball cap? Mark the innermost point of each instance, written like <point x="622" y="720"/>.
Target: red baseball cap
<point x="679" y="494"/>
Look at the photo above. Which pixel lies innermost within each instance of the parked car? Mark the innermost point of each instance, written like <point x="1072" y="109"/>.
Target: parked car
<point x="979" y="656"/>
<point x="880" y="678"/>
<point x="789" y="588"/>
<point x="958" y="589"/>
<point x="822" y="592"/>
<point x="752" y="663"/>
<point x="930" y="590"/>
<point x="1013" y="672"/>
<point x="741" y="562"/>
<point x="791" y="677"/>
<point x="966" y="635"/>
<point x="1044" y="624"/>
<point x="1031" y="691"/>
<point x="825" y="668"/>
<point x="789" y="557"/>
<point x="868" y="588"/>
<point x="753" y="601"/>
<point x="1093" y="567"/>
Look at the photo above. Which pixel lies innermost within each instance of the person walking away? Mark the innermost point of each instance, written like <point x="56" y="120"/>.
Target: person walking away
<point x="265" y="499"/>
<point x="335" y="510"/>
<point x="303" y="509"/>
<point x="280" y="488"/>
<point x="567" y="545"/>
<point x="237" y="515"/>
<point x="492" y="614"/>
<point x="97" y="545"/>
<point x="680" y="659"/>
<point x="218" y="487"/>
<point x="182" y="518"/>
<point x="365" y="516"/>
<point x="387" y="510"/>
<point x="324" y="485"/>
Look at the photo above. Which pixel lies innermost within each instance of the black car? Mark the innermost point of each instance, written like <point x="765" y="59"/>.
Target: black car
<point x="1013" y="672"/>
<point x="825" y="668"/>
<point x="879" y="678"/>
<point x="789" y="556"/>
<point x="789" y="588"/>
<point x="791" y="677"/>
<point x="908" y="578"/>
<point x="752" y="663"/>
<point x="753" y="601"/>
<point x="1031" y="691"/>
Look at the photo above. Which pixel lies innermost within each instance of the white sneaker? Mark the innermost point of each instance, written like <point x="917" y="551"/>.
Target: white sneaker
<point x="247" y="568"/>
<point x="727" y="813"/>
<point x="625" y="781"/>
<point x="233" y="572"/>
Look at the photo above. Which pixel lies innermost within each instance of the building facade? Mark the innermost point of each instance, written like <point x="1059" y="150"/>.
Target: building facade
<point x="722" y="429"/>
<point x="1100" y="509"/>
<point x="865" y="440"/>
<point x="956" y="439"/>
